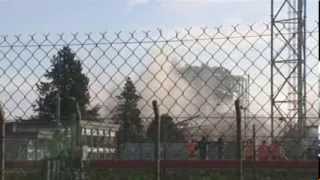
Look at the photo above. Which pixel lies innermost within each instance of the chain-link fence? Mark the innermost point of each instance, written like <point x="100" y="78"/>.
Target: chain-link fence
<point x="194" y="74"/>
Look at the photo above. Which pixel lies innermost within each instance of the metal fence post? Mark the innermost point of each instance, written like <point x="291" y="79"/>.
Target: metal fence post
<point x="2" y="144"/>
<point x="157" y="147"/>
<point x="254" y="149"/>
<point x="238" y="119"/>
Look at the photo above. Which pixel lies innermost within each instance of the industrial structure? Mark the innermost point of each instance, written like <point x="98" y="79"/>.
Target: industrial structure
<point x="288" y="66"/>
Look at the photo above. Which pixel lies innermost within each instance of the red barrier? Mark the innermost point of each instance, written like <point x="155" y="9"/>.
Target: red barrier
<point x="24" y="164"/>
<point x="215" y="164"/>
<point x="188" y="164"/>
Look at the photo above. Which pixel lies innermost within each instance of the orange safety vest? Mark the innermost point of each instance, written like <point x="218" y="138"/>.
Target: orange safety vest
<point x="192" y="148"/>
<point x="248" y="151"/>
<point x="263" y="153"/>
<point x="275" y="152"/>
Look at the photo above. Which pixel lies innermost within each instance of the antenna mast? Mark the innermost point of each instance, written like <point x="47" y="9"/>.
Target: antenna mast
<point x="288" y="70"/>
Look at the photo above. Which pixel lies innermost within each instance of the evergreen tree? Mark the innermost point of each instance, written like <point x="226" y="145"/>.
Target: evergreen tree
<point x="127" y="115"/>
<point x="66" y="79"/>
<point x="169" y="132"/>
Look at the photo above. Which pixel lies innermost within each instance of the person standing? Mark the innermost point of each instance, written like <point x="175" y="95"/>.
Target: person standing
<point x="203" y="148"/>
<point x="249" y="150"/>
<point x="263" y="152"/>
<point x="277" y="152"/>
<point x="192" y="149"/>
<point x="220" y="146"/>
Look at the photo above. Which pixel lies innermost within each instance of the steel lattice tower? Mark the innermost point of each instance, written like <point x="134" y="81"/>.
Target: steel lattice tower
<point x="288" y="77"/>
<point x="292" y="92"/>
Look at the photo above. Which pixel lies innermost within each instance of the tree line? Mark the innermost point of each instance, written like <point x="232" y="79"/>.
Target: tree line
<point x="66" y="83"/>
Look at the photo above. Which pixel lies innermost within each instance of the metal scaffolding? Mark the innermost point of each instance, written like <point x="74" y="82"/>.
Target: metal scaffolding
<point x="288" y="69"/>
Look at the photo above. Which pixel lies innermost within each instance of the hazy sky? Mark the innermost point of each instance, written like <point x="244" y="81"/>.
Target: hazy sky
<point x="29" y="16"/>
<point x="56" y="16"/>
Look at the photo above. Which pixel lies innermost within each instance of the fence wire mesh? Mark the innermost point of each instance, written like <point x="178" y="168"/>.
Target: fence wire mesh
<point x="194" y="74"/>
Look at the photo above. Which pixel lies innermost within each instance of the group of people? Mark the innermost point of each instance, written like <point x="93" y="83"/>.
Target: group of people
<point x="264" y="152"/>
<point x="200" y="149"/>
<point x="193" y="147"/>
